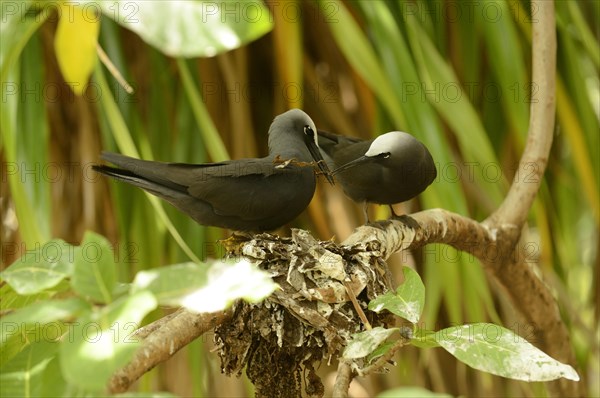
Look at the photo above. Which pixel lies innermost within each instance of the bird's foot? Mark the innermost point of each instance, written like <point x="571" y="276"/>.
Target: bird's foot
<point x="406" y="220"/>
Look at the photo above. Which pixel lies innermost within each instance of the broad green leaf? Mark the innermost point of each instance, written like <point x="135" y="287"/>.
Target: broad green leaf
<point x="171" y="283"/>
<point x="494" y="349"/>
<point x="412" y="392"/>
<point x="41" y="268"/>
<point x="191" y="28"/>
<point x="10" y="347"/>
<point x="424" y="338"/>
<point x="364" y="343"/>
<point x="39" y="314"/>
<point x="380" y="351"/>
<point x="206" y="289"/>
<point x="52" y="383"/>
<point x="11" y="300"/>
<point x="21" y="376"/>
<point x="228" y="282"/>
<point x="33" y="333"/>
<point x="75" y="44"/>
<point x="101" y="343"/>
<point x="408" y="300"/>
<point x="95" y="273"/>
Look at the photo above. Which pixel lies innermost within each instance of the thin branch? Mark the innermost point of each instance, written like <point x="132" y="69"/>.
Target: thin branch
<point x="342" y="380"/>
<point x="516" y="205"/>
<point x="145" y="331"/>
<point x="113" y="69"/>
<point x="163" y="343"/>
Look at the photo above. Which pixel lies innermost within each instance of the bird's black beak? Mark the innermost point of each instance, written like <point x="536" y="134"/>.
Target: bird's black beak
<point x="349" y="165"/>
<point x="316" y="155"/>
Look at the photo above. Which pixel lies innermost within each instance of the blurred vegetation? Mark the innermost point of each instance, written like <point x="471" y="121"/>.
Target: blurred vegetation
<point x="454" y="74"/>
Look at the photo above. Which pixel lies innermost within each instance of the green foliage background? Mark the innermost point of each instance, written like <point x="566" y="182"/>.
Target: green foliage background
<point x="456" y="75"/>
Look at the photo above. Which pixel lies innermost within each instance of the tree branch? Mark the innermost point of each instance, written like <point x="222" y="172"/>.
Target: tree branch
<point x="500" y="233"/>
<point x="163" y="342"/>
<point x="343" y="379"/>
<point x="527" y="180"/>
<point x="494" y="248"/>
<point x="429" y="226"/>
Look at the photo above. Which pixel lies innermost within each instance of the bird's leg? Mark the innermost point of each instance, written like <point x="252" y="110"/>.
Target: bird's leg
<point x="366" y="212"/>
<point x="405" y="219"/>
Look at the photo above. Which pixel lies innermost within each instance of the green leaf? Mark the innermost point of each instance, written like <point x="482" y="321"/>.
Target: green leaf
<point x="457" y="111"/>
<point x="39" y="314"/>
<point x="412" y="392"/>
<point x="11" y="300"/>
<point x="191" y="28"/>
<point x="206" y="289"/>
<point x="494" y="349"/>
<point x="171" y="283"/>
<point x="507" y="63"/>
<point x="101" y="343"/>
<point x="380" y="351"/>
<point x="408" y="300"/>
<point x="22" y="375"/>
<point x="15" y="32"/>
<point x="358" y="51"/>
<point x="424" y="339"/>
<point x="127" y="147"/>
<point x="42" y="268"/>
<point x="53" y="384"/>
<point x="75" y="44"/>
<point x="364" y="343"/>
<point x="95" y="274"/>
<point x="212" y="139"/>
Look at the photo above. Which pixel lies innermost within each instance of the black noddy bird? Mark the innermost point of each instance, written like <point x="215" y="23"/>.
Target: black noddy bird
<point x="243" y="195"/>
<point x="391" y="168"/>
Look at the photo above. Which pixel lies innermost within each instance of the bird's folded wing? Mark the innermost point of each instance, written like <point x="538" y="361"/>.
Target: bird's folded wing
<point x="327" y="138"/>
<point x="252" y="196"/>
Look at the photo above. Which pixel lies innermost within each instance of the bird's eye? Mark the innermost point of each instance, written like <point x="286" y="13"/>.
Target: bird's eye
<point x="310" y="133"/>
<point x="384" y="155"/>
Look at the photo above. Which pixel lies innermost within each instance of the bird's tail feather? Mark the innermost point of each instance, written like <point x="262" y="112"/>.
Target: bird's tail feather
<point x="164" y="191"/>
<point x="131" y="170"/>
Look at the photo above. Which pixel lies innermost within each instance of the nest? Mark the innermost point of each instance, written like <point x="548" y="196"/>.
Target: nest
<point x="309" y="320"/>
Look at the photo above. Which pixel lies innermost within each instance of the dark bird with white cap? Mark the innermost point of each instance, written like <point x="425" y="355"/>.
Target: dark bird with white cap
<point x="244" y="195"/>
<point x="389" y="169"/>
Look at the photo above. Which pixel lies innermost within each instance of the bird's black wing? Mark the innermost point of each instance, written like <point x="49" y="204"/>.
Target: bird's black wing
<point x="172" y="175"/>
<point x="327" y="139"/>
<point x="254" y="190"/>
<point x="342" y="149"/>
<point x="249" y="189"/>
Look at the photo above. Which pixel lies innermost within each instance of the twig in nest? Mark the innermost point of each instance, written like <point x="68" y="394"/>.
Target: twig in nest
<point x="359" y="311"/>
